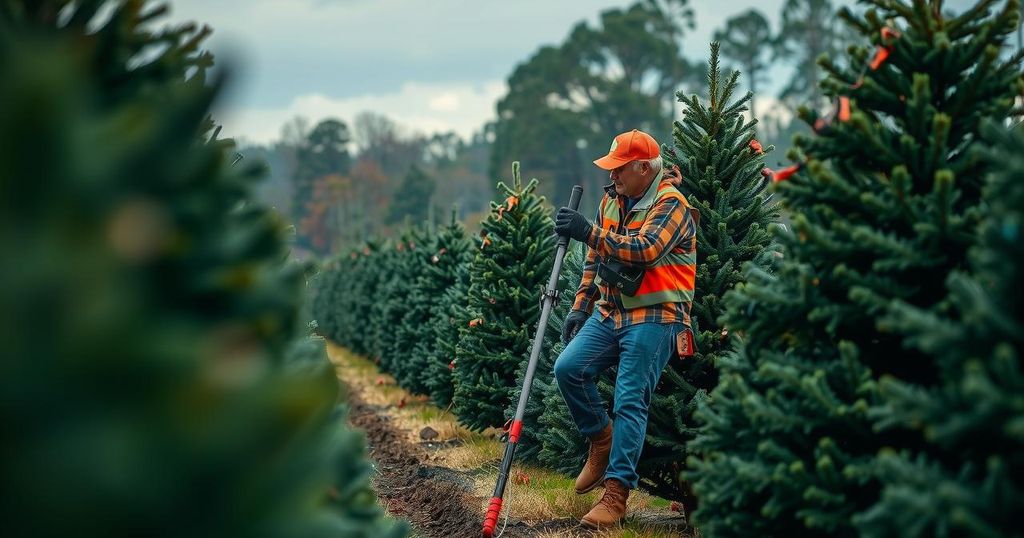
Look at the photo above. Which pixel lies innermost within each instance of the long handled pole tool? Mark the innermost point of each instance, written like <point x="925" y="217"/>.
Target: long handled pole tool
<point x="550" y="295"/>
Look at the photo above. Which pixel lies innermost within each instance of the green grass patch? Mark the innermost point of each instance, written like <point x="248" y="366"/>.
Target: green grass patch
<point x="658" y="502"/>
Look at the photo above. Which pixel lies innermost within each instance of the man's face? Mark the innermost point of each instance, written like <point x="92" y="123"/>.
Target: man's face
<point x="631" y="178"/>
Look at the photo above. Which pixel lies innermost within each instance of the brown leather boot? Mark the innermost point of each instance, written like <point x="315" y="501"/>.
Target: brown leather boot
<point x="593" y="471"/>
<point x="610" y="509"/>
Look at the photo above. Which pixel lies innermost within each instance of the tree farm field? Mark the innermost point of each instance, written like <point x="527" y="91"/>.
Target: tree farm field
<point x="463" y="465"/>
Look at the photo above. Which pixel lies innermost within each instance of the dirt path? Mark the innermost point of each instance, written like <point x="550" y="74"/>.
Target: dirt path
<point x="438" y="502"/>
<point x="434" y="505"/>
<point x="439" y="475"/>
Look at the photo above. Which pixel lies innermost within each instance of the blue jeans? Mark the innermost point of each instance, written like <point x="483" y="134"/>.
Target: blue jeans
<point x="641" y="351"/>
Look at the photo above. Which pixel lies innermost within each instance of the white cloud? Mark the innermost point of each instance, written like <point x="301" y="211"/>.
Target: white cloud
<point x="765" y="106"/>
<point x="446" y="102"/>
<point x="423" y="107"/>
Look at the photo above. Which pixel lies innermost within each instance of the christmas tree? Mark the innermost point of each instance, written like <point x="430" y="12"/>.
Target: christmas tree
<point x="327" y="294"/>
<point x="507" y="278"/>
<point x="415" y="336"/>
<point x="405" y="309"/>
<point x="155" y="381"/>
<point x="443" y="356"/>
<point x="387" y="304"/>
<point x="969" y="477"/>
<point x="721" y="164"/>
<point x="361" y="282"/>
<point x="444" y="282"/>
<point x="343" y="296"/>
<point x="885" y="202"/>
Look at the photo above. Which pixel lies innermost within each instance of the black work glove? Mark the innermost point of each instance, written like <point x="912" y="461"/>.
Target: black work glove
<point x="570" y="223"/>
<point x="574" y="321"/>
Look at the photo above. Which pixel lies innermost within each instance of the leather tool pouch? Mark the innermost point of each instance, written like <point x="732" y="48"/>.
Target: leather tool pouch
<point x="626" y="278"/>
<point x="685" y="346"/>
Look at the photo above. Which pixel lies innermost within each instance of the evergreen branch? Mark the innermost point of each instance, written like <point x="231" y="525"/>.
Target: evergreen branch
<point x="979" y="11"/>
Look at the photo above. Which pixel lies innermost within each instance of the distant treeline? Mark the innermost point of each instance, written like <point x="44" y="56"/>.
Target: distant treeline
<point x="342" y="183"/>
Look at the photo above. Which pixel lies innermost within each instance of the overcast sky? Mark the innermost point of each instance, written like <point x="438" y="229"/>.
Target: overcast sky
<point x="431" y="66"/>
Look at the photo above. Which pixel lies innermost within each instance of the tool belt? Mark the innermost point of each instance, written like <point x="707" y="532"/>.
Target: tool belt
<point x="626" y="278"/>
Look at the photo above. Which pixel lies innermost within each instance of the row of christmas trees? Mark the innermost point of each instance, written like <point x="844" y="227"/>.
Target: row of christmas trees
<point x="859" y="371"/>
<point x="157" y="376"/>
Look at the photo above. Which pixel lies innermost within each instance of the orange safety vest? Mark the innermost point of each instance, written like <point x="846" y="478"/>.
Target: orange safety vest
<point x="671" y="278"/>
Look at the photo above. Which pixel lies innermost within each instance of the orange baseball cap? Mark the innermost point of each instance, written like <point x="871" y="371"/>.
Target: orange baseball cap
<point x="627" y="147"/>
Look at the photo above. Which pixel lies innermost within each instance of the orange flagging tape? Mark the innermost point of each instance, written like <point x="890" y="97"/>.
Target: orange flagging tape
<point x="881" y="54"/>
<point x="844" y="108"/>
<point x="784" y="174"/>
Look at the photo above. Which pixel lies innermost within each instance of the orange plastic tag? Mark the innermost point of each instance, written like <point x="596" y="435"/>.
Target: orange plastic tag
<point x="684" y="343"/>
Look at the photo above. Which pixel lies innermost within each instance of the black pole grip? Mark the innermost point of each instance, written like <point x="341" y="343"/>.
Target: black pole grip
<point x="574" y="204"/>
<point x="574" y="198"/>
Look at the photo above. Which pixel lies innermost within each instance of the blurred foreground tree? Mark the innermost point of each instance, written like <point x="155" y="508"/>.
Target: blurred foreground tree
<point x="157" y="378"/>
<point x="822" y="422"/>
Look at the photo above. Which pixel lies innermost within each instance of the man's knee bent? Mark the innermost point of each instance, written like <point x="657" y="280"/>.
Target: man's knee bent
<point x="566" y="368"/>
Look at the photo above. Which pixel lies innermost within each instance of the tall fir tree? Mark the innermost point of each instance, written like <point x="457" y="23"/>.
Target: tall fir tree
<point x="721" y="164"/>
<point x="885" y="204"/>
<point x="154" y="379"/>
<point x="445" y="281"/>
<point x="968" y="478"/>
<point x="322" y="154"/>
<point x="507" y="277"/>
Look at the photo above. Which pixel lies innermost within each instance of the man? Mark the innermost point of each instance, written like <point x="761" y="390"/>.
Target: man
<point x="639" y="274"/>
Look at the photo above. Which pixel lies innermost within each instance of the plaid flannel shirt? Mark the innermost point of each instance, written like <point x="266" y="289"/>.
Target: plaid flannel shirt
<point x="666" y="225"/>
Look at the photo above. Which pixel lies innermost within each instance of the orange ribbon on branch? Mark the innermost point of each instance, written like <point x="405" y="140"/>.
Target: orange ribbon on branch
<point x="781" y="175"/>
<point x="841" y="108"/>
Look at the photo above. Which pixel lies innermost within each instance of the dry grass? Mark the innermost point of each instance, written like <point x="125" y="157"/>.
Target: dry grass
<point x="362" y="376"/>
<point x="547" y="495"/>
<point x="630" y="530"/>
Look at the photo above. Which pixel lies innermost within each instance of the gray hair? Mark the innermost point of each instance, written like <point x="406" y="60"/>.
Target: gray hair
<point x="656" y="164"/>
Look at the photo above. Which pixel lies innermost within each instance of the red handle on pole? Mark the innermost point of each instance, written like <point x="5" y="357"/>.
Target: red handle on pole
<point x="492" y="517"/>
